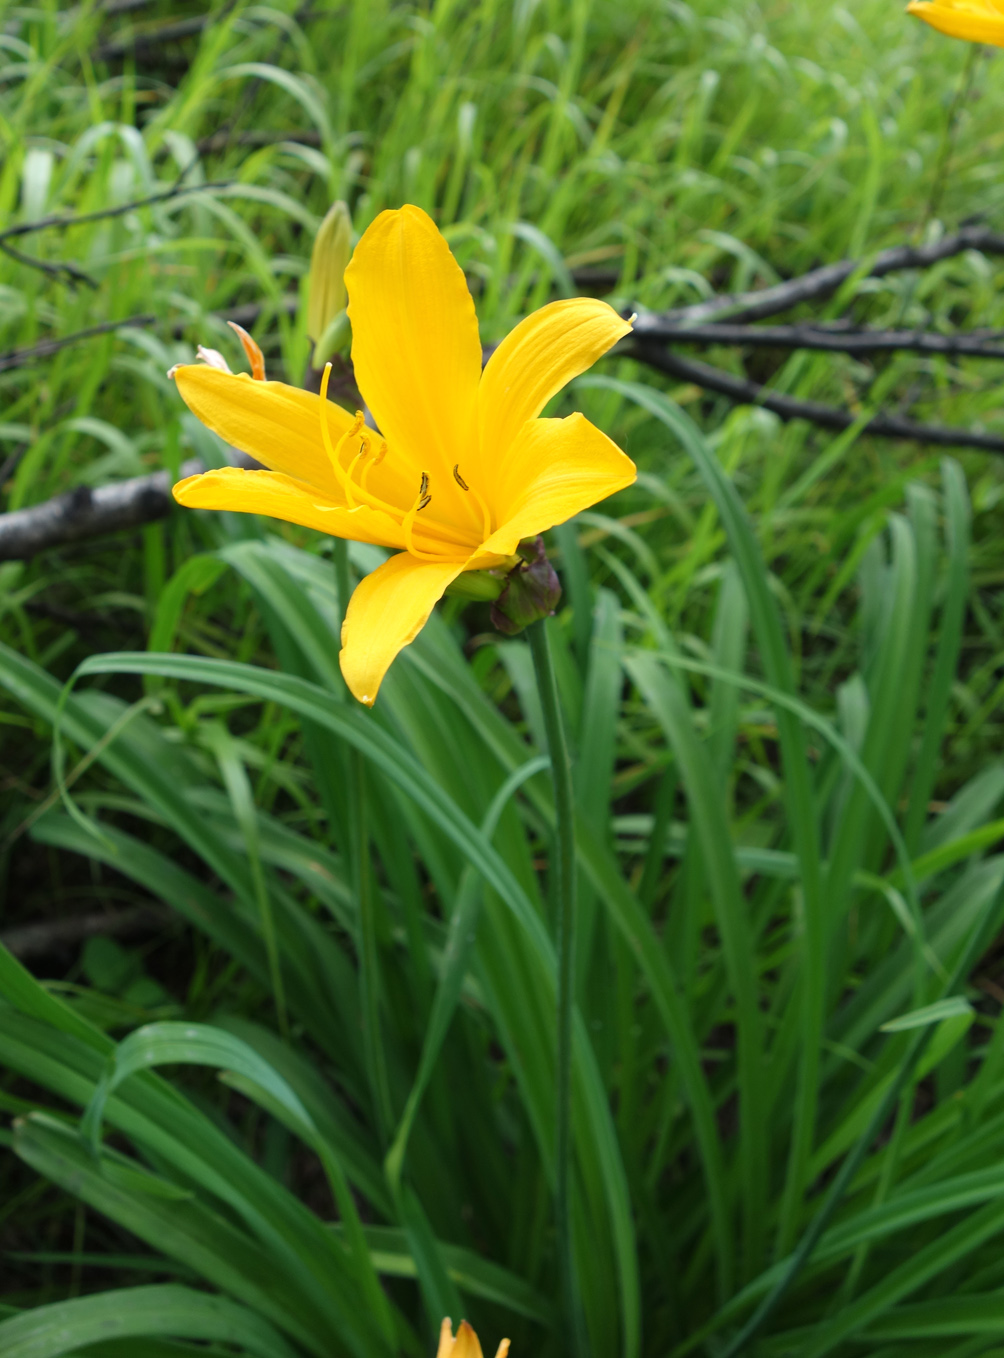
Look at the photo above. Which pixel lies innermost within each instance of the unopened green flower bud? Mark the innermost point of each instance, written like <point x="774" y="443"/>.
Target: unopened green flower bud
<point x="328" y="260"/>
<point x="531" y="590"/>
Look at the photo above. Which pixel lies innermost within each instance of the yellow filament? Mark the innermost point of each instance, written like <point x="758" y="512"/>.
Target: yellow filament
<point x="369" y="500"/>
<point x="408" y="524"/>
<point x="486" y="518"/>
<point x="374" y="462"/>
<point x="334" y="454"/>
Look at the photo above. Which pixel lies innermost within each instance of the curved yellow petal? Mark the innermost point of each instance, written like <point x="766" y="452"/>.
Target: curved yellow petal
<point x="280" y="497"/>
<point x="387" y="611"/>
<point x="277" y="424"/>
<point x="466" y="1344"/>
<point x="415" y="346"/>
<point x="974" y="20"/>
<point x="554" y="469"/>
<point x="533" y="363"/>
<point x="445" y="1338"/>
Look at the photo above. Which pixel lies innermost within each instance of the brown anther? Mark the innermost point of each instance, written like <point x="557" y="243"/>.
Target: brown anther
<point x="458" y="478"/>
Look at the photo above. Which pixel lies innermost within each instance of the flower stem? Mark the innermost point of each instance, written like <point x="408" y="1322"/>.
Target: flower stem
<point x="340" y="556"/>
<point x="366" y="937"/>
<point x="563" y="877"/>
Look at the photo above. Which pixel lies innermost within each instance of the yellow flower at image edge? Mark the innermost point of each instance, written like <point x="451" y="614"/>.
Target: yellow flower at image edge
<point x="462" y="469"/>
<point x="976" y="20"/>
<point x="466" y="1344"/>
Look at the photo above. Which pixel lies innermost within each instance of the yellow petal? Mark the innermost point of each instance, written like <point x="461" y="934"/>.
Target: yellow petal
<point x="415" y="347"/>
<point x="975" y="21"/>
<point x="278" y="424"/>
<point x="466" y="1344"/>
<point x="503" y="1349"/>
<point x="387" y="611"/>
<point x="445" y="1349"/>
<point x="554" y="469"/>
<point x="533" y="363"/>
<point x="280" y="497"/>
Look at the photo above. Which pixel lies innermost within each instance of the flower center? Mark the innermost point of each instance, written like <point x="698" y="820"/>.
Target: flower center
<point x="440" y="541"/>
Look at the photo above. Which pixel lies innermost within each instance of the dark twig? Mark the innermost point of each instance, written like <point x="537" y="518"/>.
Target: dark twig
<point x="57" y="935"/>
<point x="60" y="271"/>
<point x="835" y="339"/>
<point x="755" y="306"/>
<point x="745" y="392"/>
<point x="57" y="222"/>
<point x="137" y="43"/>
<point x="72" y="273"/>
<point x="17" y="358"/>
<point x="222" y="141"/>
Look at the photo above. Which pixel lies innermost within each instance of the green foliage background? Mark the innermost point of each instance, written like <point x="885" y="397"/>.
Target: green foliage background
<point x="778" y="660"/>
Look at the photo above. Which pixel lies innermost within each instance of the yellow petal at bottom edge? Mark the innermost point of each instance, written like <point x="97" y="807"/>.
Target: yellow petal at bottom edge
<point x="280" y="497"/>
<point x="387" y="611"/>
<point x="973" y="22"/>
<point x="554" y="469"/>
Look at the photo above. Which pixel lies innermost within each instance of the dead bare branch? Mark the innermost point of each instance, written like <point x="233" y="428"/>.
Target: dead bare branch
<point x="831" y="339"/>
<point x="744" y="392"/>
<point x="756" y="306"/>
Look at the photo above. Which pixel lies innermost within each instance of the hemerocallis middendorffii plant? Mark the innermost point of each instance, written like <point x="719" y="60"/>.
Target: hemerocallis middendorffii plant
<point x="465" y="1344"/>
<point x="976" y="20"/>
<point x="462" y="469"/>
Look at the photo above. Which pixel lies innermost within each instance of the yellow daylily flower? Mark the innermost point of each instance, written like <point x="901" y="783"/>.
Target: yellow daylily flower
<point x="976" y="20"/>
<point x="466" y="1344"/>
<point x="462" y="469"/>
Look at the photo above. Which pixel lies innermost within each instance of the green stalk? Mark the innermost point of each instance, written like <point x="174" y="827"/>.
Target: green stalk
<point x="340" y="557"/>
<point x="366" y="932"/>
<point x="563" y="877"/>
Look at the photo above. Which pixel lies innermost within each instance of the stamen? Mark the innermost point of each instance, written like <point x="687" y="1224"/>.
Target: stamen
<point x="254" y="355"/>
<point x="351" y="488"/>
<point x="408" y="523"/>
<point x="374" y="462"/>
<point x="364" y="448"/>
<point x="486" y="518"/>
<point x="334" y="454"/>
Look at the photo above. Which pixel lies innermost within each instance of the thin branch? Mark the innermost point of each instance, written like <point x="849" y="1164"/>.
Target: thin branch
<point x="55" y="222"/>
<point x="834" y="339"/>
<point x="154" y="37"/>
<point x="222" y="141"/>
<point x="744" y="392"/>
<point x="17" y="358"/>
<point x="57" y="935"/>
<point x="755" y="306"/>
<point x="60" y="271"/>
